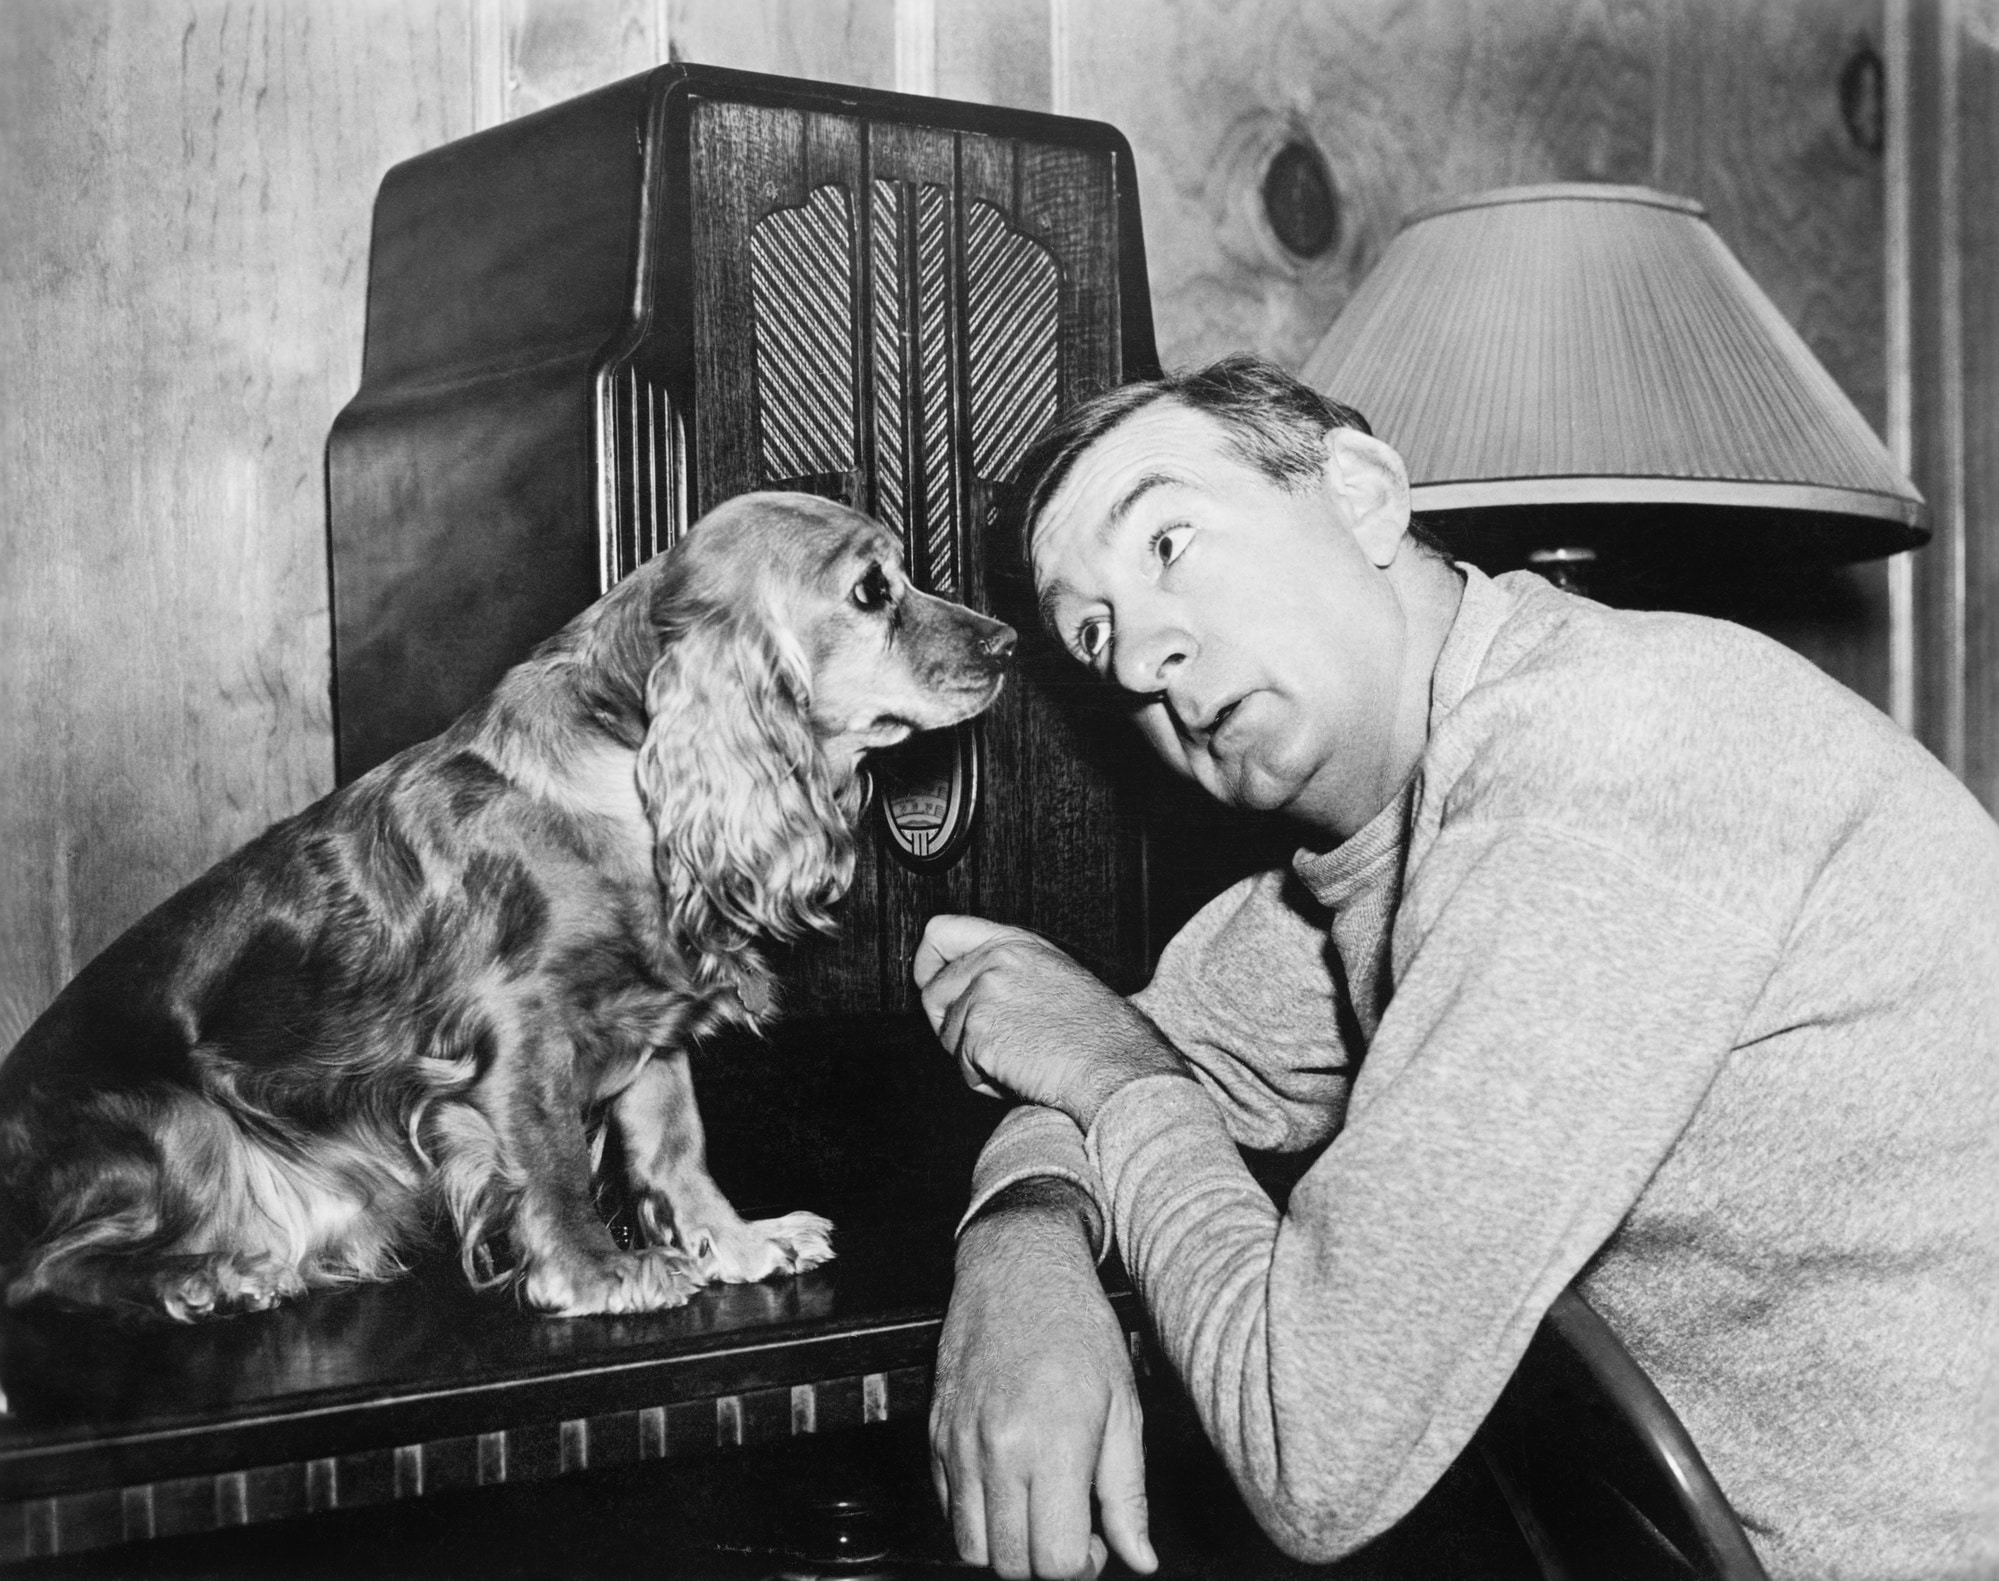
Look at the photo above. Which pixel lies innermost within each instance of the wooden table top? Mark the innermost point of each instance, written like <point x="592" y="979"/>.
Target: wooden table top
<point x="120" y="1430"/>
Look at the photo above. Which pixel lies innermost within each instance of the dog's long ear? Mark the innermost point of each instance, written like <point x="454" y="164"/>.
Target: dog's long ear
<point x="752" y="833"/>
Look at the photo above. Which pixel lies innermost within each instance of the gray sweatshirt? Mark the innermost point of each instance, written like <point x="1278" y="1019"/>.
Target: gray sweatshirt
<point x="1674" y="971"/>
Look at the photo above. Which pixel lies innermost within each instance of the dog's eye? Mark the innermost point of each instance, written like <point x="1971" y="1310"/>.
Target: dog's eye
<point x="873" y="590"/>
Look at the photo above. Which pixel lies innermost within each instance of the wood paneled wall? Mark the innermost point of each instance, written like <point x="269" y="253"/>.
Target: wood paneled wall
<point x="1945" y="241"/>
<point x="188" y="186"/>
<point x="183" y="257"/>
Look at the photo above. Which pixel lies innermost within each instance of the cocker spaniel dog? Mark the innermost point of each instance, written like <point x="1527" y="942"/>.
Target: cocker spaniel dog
<point x="420" y="1000"/>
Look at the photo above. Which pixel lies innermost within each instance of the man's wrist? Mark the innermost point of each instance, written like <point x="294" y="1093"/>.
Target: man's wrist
<point x="1140" y="1058"/>
<point x="1045" y="1208"/>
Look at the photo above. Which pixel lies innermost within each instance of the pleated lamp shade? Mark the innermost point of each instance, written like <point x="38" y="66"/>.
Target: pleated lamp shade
<point x="1584" y="372"/>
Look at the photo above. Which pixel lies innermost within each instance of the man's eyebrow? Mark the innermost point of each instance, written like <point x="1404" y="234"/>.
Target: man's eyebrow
<point x="1051" y="595"/>
<point x="1127" y="501"/>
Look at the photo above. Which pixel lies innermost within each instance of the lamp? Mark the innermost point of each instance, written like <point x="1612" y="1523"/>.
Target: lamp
<point x="1583" y="377"/>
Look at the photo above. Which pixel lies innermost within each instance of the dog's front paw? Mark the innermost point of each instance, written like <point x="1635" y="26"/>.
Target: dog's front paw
<point x="196" y="1288"/>
<point x="643" y="1281"/>
<point x="741" y="1254"/>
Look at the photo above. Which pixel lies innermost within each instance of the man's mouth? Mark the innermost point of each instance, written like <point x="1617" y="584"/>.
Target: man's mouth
<point x="1216" y="722"/>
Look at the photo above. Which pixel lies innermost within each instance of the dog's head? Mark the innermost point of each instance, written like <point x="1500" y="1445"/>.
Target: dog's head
<point x="792" y="643"/>
<point x="867" y="658"/>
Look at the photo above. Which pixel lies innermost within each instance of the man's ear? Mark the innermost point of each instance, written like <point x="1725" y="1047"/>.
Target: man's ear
<point x="1370" y="477"/>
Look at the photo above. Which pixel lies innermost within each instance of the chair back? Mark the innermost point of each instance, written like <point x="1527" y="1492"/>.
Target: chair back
<point x="1600" y="1474"/>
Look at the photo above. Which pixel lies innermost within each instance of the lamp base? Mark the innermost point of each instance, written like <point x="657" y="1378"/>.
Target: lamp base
<point x="1566" y="568"/>
<point x="1660" y="551"/>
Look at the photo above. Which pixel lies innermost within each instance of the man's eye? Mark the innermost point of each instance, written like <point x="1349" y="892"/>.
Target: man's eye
<point x="873" y="590"/>
<point x="1170" y="542"/>
<point x="1092" y="637"/>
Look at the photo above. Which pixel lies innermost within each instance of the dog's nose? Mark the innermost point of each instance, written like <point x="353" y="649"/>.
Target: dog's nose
<point x="999" y="644"/>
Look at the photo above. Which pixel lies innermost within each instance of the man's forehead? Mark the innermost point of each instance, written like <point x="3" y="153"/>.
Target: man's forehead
<point x="1166" y="438"/>
<point x="1154" y="448"/>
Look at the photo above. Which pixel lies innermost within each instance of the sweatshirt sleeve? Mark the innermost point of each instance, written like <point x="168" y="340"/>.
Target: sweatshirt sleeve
<point x="1036" y="1143"/>
<point x="1245" y="993"/>
<point x="1558" y="1016"/>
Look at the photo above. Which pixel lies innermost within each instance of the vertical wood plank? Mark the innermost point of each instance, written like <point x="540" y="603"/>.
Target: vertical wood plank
<point x="1978" y="110"/>
<point x="557" y="49"/>
<point x="994" y="52"/>
<point x="850" y="41"/>
<point x="186" y="254"/>
<point x="1953" y="245"/>
<point x="1937" y="354"/>
<point x="916" y="47"/>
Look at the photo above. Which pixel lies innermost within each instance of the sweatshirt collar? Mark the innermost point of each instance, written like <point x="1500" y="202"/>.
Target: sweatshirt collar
<point x="1334" y="875"/>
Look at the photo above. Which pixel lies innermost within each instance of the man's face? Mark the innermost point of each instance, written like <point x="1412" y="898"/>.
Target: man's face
<point x="1261" y="643"/>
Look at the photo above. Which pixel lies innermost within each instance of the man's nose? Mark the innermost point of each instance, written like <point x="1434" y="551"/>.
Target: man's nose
<point x="1147" y="660"/>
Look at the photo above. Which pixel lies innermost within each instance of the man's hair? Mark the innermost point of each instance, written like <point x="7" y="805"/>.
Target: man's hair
<point x="1270" y="420"/>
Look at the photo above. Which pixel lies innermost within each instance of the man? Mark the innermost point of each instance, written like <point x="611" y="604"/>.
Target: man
<point x="1622" y="948"/>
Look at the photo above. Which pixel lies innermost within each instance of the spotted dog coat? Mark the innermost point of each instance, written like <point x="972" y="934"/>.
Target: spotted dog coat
<point x="421" y="1000"/>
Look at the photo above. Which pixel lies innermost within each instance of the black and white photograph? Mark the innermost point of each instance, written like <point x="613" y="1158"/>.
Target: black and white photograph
<point x="870" y="790"/>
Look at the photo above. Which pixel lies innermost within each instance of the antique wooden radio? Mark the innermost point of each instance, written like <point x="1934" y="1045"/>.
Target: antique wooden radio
<point x="588" y="326"/>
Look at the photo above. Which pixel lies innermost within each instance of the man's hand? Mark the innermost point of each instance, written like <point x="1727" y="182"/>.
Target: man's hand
<point x="1021" y="1017"/>
<point x="1035" y="1401"/>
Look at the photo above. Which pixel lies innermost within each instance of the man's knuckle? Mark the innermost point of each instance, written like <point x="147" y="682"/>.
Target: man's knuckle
<point x="997" y="1440"/>
<point x="1067" y="1552"/>
<point x="1017" y="1445"/>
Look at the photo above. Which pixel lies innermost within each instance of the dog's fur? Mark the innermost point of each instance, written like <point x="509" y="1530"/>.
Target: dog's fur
<point x="418" y="1001"/>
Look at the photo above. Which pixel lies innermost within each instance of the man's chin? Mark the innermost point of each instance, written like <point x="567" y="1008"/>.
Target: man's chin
<point x="1247" y="789"/>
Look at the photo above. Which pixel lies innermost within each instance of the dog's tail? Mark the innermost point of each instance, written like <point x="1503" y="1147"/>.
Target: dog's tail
<point x="160" y="1199"/>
